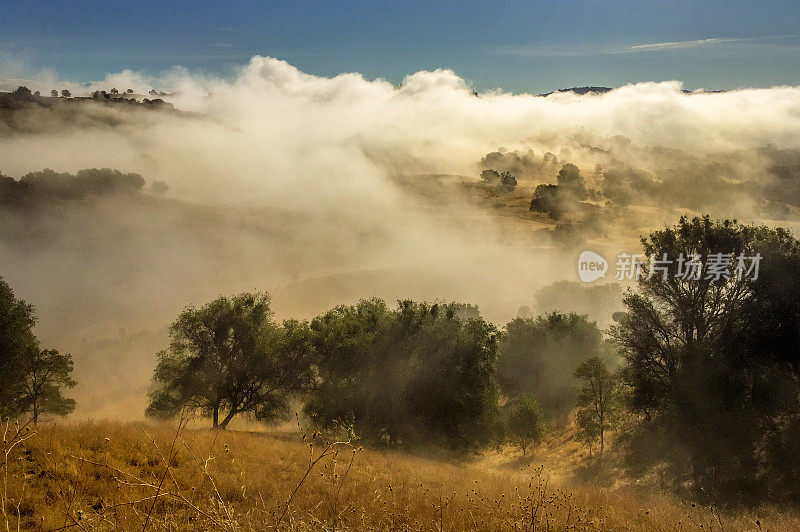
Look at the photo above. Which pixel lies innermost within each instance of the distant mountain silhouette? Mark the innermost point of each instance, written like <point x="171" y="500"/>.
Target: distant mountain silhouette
<point x="581" y="90"/>
<point x="602" y="90"/>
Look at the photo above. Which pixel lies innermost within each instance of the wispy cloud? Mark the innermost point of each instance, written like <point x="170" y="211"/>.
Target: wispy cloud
<point x="717" y="45"/>
<point x="679" y="44"/>
<point x="576" y="51"/>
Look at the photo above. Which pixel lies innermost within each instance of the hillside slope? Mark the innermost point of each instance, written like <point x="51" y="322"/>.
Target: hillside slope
<point x="105" y="475"/>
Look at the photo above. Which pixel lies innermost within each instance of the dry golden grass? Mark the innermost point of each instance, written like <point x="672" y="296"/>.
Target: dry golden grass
<point x="108" y="475"/>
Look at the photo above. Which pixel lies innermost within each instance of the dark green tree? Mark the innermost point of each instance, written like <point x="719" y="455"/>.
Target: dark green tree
<point x="22" y="93"/>
<point x="524" y="422"/>
<point x="31" y="379"/>
<point x="565" y="197"/>
<point x="228" y="358"/>
<point x="416" y="374"/>
<point x="538" y="356"/>
<point x="597" y="401"/>
<point x="507" y="182"/>
<point x="571" y="183"/>
<point x="711" y="358"/>
<point x="546" y="199"/>
<point x="17" y="343"/>
<point x="490" y="176"/>
<point x="46" y="373"/>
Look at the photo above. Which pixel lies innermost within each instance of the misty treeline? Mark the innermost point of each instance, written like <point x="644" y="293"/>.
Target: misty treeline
<point x="602" y="196"/>
<point x="761" y="180"/>
<point x="22" y="97"/>
<point x="708" y="381"/>
<point x="417" y="374"/>
<point x="701" y="373"/>
<point x="502" y="181"/>
<point x="35" y="188"/>
<point x="32" y="379"/>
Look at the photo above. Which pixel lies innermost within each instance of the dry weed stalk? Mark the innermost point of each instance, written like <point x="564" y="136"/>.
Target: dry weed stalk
<point x="14" y="435"/>
<point x="329" y="449"/>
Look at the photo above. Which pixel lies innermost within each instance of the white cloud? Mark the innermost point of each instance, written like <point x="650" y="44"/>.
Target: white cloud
<point x="326" y="149"/>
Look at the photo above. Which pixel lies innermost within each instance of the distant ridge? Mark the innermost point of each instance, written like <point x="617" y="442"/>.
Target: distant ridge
<point x="602" y="90"/>
<point x="581" y="90"/>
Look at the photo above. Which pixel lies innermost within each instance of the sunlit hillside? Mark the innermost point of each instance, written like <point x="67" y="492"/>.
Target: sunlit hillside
<point x="105" y="475"/>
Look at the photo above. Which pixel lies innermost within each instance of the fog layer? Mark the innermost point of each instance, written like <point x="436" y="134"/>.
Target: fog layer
<point x="326" y="190"/>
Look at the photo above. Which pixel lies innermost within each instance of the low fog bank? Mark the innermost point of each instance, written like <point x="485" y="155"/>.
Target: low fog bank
<point x="108" y="272"/>
<point x="326" y="190"/>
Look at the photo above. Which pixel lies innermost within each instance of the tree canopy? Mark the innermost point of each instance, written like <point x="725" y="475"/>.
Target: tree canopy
<point x="562" y="198"/>
<point x="228" y="358"/>
<point x="538" y="356"/>
<point x="406" y="376"/>
<point x="17" y="342"/>
<point x="524" y="422"/>
<point x="597" y="401"/>
<point x="711" y="358"/>
<point x="31" y="379"/>
<point x="45" y="373"/>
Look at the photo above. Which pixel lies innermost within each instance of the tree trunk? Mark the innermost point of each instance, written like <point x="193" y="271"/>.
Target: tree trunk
<point x="601" y="439"/>
<point x="227" y="419"/>
<point x="602" y="428"/>
<point x="216" y="417"/>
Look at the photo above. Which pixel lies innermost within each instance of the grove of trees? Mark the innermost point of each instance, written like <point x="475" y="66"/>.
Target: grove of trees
<point x="503" y="181"/>
<point x="563" y="197"/>
<point x="705" y="370"/>
<point x="415" y="374"/>
<point x="48" y="185"/>
<point x="418" y="374"/>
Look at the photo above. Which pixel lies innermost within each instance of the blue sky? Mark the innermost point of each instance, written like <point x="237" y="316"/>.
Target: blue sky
<point x="519" y="46"/>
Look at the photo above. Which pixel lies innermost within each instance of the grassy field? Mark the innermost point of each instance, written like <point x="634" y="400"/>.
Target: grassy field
<point x="129" y="476"/>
